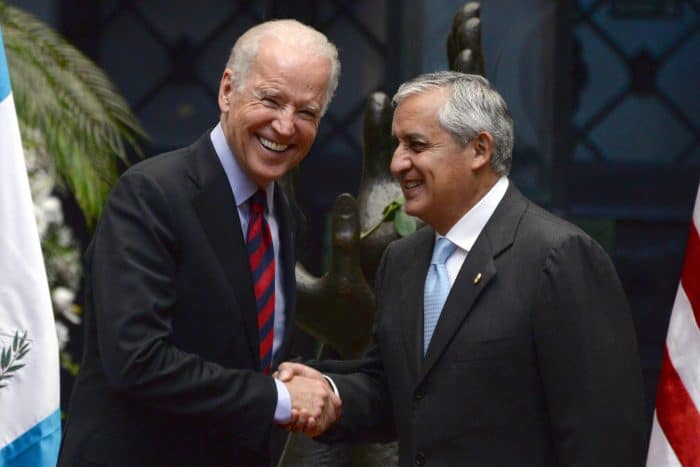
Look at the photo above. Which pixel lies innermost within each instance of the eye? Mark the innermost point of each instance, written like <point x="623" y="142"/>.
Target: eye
<point x="307" y="114"/>
<point x="417" y="146"/>
<point x="270" y="101"/>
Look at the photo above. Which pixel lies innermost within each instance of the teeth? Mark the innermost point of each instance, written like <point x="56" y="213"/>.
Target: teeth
<point x="271" y="145"/>
<point x="413" y="184"/>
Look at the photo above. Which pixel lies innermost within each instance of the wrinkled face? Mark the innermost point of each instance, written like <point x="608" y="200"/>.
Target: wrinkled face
<point x="270" y="122"/>
<point x="435" y="171"/>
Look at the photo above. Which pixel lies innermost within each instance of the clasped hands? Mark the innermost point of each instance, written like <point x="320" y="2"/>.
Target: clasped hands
<point x="315" y="406"/>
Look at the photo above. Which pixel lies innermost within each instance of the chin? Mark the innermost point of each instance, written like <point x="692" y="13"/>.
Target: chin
<point x="269" y="174"/>
<point x="413" y="210"/>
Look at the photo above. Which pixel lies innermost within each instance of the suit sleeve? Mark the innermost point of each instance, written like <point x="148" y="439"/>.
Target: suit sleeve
<point x="589" y="364"/>
<point x="134" y="285"/>
<point x="367" y="413"/>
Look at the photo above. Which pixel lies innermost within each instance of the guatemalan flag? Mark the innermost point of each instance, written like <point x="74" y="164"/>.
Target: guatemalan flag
<point x="30" y="418"/>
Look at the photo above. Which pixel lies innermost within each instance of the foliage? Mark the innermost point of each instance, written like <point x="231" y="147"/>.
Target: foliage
<point x="10" y="357"/>
<point x="85" y="124"/>
<point x="394" y="211"/>
<point x="58" y="245"/>
<point x="75" y="128"/>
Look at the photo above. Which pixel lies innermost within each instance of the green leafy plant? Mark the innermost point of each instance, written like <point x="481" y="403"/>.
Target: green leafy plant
<point x="394" y="211"/>
<point x="11" y="356"/>
<point x="82" y="122"/>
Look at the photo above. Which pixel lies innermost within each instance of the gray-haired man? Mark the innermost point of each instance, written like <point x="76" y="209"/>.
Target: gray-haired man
<point x="502" y="334"/>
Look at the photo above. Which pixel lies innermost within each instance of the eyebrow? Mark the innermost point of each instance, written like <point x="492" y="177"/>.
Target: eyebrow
<point x="412" y="136"/>
<point x="312" y="108"/>
<point x="268" y="92"/>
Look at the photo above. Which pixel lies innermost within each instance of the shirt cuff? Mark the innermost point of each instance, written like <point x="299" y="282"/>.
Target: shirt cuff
<point x="283" y="411"/>
<point x="332" y="383"/>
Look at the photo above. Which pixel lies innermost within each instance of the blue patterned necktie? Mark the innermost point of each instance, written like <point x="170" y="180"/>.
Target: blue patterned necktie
<point x="437" y="288"/>
<point x="261" y="258"/>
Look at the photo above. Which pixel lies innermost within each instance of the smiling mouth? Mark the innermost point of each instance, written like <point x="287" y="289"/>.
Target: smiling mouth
<point x="272" y="146"/>
<point x="411" y="184"/>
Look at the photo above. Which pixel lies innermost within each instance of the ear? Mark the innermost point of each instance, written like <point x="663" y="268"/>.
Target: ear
<point x="483" y="147"/>
<point x="225" y="91"/>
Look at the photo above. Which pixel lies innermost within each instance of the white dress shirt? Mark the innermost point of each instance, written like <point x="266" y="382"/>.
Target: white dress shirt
<point x="465" y="232"/>
<point x="243" y="188"/>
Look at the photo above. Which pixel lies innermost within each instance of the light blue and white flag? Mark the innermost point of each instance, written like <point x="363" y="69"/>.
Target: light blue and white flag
<point x="30" y="418"/>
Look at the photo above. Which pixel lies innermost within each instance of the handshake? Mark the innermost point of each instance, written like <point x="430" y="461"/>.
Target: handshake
<point x="315" y="406"/>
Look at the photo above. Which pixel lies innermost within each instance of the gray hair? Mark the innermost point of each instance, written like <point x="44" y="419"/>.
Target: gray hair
<point x="288" y="31"/>
<point x="472" y="106"/>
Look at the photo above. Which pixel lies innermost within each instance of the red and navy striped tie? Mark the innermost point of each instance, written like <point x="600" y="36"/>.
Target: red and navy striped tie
<point x="261" y="257"/>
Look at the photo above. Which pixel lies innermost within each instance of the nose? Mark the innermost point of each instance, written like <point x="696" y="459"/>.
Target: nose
<point x="400" y="162"/>
<point x="284" y="123"/>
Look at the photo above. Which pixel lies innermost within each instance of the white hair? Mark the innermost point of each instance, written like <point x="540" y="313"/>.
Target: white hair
<point x="288" y="31"/>
<point x="472" y="106"/>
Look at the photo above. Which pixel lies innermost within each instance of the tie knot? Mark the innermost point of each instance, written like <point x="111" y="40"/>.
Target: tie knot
<point x="443" y="250"/>
<point x="258" y="201"/>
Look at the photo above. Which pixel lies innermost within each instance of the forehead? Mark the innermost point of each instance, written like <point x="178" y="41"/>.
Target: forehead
<point x="279" y="64"/>
<point x="418" y="113"/>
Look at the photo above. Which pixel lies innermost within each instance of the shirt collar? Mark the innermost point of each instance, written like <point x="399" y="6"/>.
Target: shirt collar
<point x="243" y="187"/>
<point x="465" y="232"/>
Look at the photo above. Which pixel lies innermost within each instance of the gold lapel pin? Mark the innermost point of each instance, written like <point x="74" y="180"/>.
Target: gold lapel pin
<point x="477" y="278"/>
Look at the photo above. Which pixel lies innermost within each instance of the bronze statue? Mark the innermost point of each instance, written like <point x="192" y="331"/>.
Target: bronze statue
<point x="377" y="187"/>
<point x="337" y="309"/>
<point x="464" y="52"/>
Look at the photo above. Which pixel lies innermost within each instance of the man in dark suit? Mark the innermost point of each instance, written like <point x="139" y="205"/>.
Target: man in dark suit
<point x="190" y="277"/>
<point x="532" y="360"/>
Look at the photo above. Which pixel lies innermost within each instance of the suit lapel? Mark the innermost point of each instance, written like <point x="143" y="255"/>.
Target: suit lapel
<point x="497" y="236"/>
<point x="411" y="308"/>
<point x="459" y="303"/>
<point x="216" y="208"/>
<point x="287" y="232"/>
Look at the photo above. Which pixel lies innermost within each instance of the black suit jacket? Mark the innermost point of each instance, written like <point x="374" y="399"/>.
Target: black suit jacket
<point x="533" y="361"/>
<point x="170" y="373"/>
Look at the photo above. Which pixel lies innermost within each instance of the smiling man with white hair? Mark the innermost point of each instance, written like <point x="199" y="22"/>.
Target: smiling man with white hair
<point x="190" y="286"/>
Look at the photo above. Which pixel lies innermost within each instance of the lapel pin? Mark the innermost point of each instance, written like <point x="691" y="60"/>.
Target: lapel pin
<point x="477" y="278"/>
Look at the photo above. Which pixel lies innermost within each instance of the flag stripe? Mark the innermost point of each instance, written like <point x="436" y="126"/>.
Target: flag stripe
<point x="690" y="277"/>
<point x="683" y="345"/>
<point x="23" y="452"/>
<point x="660" y="452"/>
<point x="676" y="430"/>
<point x="4" y="72"/>
<point x="677" y="415"/>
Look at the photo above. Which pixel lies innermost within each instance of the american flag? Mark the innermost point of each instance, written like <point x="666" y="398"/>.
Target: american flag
<point x="675" y="436"/>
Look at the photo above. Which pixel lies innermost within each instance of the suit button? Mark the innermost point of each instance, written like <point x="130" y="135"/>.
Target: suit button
<point x="420" y="393"/>
<point x="420" y="458"/>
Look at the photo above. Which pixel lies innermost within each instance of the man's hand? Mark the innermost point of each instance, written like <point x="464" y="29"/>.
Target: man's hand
<point x="314" y="404"/>
<point x="288" y="370"/>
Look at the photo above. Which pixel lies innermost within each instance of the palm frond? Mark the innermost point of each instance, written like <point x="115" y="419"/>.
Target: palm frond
<point x="84" y="122"/>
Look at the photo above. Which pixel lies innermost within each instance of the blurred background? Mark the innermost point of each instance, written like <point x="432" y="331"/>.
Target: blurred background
<point x="604" y="96"/>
